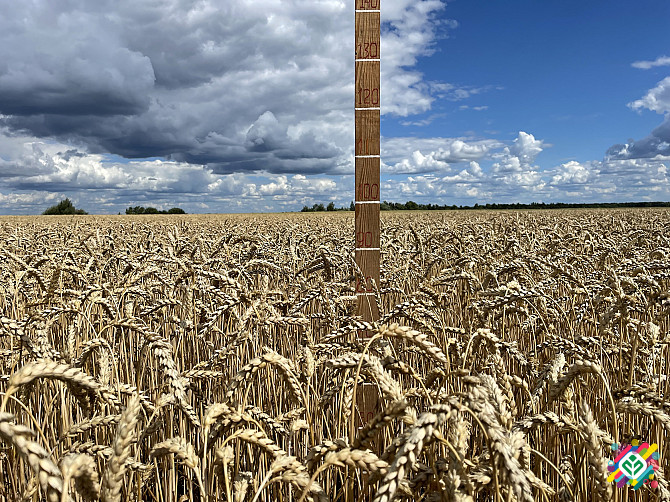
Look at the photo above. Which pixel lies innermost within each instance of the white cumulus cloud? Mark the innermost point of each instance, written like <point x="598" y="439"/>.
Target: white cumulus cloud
<point x="656" y="99"/>
<point x="646" y="65"/>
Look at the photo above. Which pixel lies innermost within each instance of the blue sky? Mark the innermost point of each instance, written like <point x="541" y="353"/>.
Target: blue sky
<point x="245" y="106"/>
<point x="559" y="69"/>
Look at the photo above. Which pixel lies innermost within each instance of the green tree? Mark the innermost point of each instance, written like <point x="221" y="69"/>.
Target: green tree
<point x="64" y="207"/>
<point x="330" y="207"/>
<point x="153" y="210"/>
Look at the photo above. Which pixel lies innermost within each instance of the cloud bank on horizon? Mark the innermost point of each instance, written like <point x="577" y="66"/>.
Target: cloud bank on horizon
<point x="247" y="106"/>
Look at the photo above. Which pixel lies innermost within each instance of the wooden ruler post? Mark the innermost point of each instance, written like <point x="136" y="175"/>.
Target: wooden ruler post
<point x="367" y="154"/>
<point x="367" y="160"/>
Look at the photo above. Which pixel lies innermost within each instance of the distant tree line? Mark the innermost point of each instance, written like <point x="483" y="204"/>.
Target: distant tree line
<point x="330" y="207"/>
<point x="153" y="210"/>
<point x="415" y="206"/>
<point x="412" y="206"/>
<point x="64" y="207"/>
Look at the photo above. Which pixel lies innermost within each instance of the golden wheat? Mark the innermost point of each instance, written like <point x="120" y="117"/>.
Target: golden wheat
<point x="217" y="358"/>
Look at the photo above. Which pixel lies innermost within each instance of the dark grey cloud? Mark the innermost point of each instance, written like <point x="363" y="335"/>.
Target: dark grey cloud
<point x="233" y="85"/>
<point x="657" y="143"/>
<point x="57" y="59"/>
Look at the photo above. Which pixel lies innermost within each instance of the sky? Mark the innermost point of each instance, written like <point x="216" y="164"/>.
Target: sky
<point x="221" y="106"/>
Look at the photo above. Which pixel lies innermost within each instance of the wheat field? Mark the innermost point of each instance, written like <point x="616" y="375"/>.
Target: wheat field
<point x="216" y="358"/>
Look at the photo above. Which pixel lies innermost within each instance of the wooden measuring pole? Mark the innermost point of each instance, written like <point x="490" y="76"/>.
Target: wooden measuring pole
<point x="367" y="159"/>
<point x="367" y="154"/>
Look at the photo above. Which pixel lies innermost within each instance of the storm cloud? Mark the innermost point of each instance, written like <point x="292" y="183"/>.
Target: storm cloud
<point x="233" y="85"/>
<point x="657" y="143"/>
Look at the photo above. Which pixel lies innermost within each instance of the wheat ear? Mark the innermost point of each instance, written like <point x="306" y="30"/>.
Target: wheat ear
<point x="115" y="470"/>
<point x="648" y="409"/>
<point x="597" y="463"/>
<point x="184" y="451"/>
<point x="47" y="473"/>
<point x="417" y="338"/>
<point x="75" y="378"/>
<point x="82" y="469"/>
<point x="421" y="432"/>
